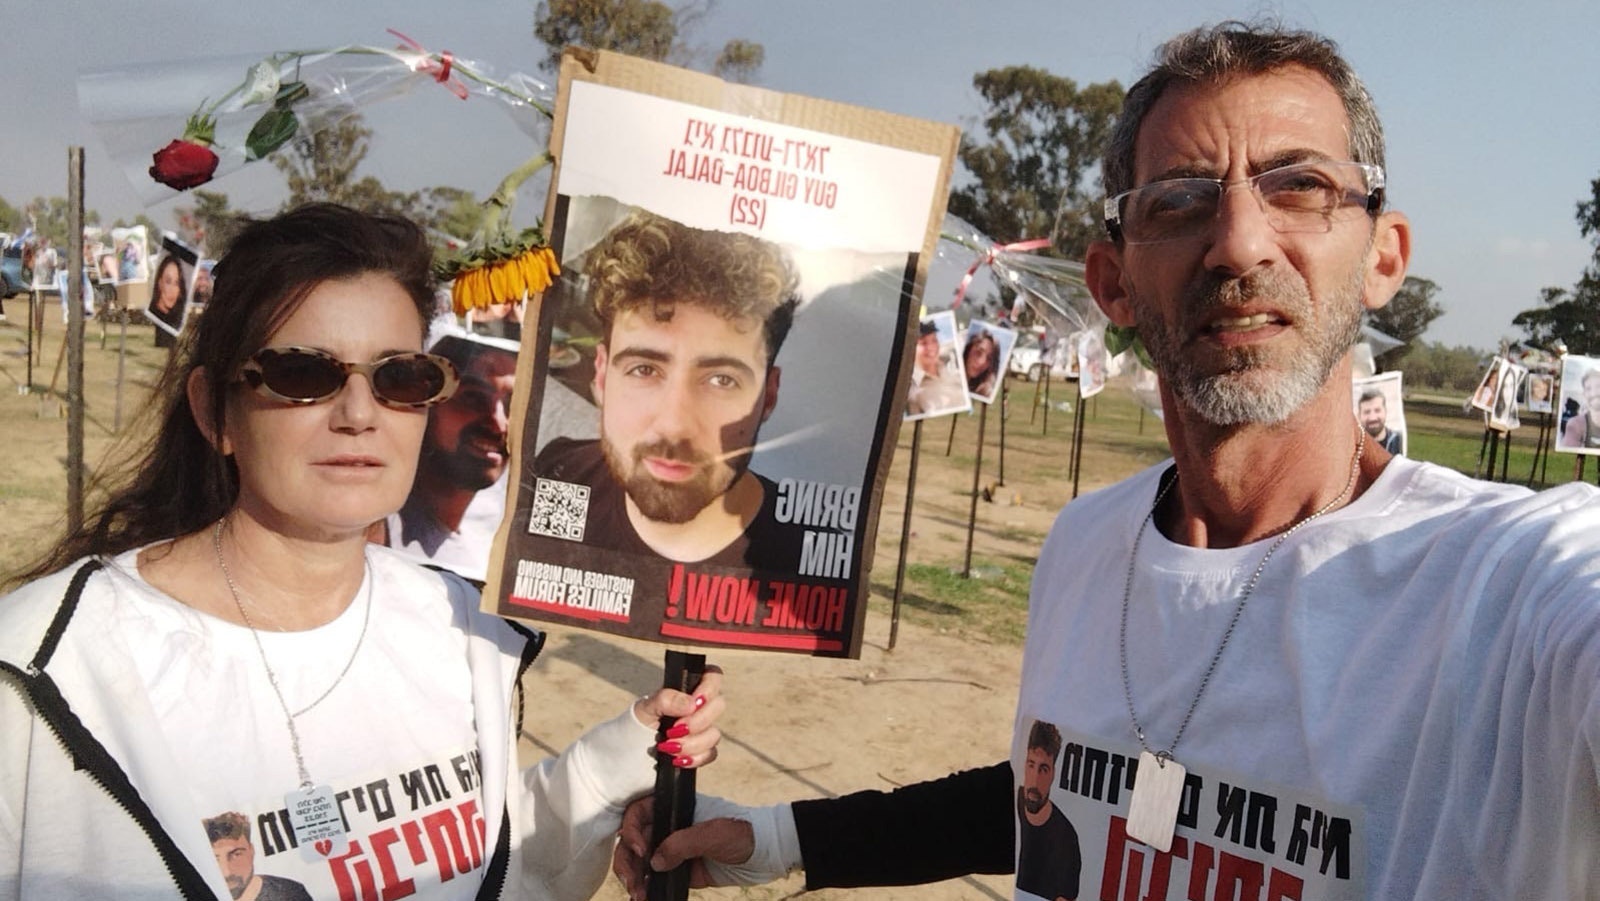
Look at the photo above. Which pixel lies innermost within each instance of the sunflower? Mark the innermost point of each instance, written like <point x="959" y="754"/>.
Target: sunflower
<point x="510" y="280"/>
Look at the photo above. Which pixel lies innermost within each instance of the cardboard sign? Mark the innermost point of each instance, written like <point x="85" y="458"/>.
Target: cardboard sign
<point x="706" y="411"/>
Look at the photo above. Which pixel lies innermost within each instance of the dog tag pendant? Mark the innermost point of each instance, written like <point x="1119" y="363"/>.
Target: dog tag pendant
<point x="314" y="816"/>
<point x="1157" y="794"/>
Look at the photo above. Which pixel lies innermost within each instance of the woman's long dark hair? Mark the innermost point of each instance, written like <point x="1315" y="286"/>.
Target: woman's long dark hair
<point x="975" y="378"/>
<point x="174" y="481"/>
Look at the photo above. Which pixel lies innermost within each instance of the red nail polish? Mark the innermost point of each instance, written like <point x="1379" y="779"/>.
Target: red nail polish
<point x="679" y="730"/>
<point x="683" y="762"/>
<point x="699" y="701"/>
<point x="669" y="747"/>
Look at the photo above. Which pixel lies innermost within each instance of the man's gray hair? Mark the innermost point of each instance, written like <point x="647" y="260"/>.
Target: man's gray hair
<point x="1214" y="54"/>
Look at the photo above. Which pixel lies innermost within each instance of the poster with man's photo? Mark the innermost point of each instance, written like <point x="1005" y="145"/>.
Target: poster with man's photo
<point x="938" y="382"/>
<point x="459" y="495"/>
<point x="1380" y="410"/>
<point x="728" y="354"/>
<point x="1578" y="429"/>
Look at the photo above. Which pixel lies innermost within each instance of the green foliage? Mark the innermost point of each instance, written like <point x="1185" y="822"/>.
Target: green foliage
<point x="1571" y="317"/>
<point x="1567" y="316"/>
<point x="322" y="167"/>
<point x="1406" y="317"/>
<point x="993" y="601"/>
<point x="740" y="61"/>
<point x="450" y="211"/>
<point x="211" y="224"/>
<point x="647" y="28"/>
<point x="1042" y="138"/>
<point x="11" y="218"/>
<point x="644" y="28"/>
<point x="49" y="216"/>
<point x="1433" y="366"/>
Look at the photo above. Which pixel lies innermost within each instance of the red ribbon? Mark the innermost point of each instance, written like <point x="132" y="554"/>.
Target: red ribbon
<point x="439" y="69"/>
<point x="989" y="258"/>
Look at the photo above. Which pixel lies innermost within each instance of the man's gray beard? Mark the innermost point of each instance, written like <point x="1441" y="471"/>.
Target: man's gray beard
<point x="1232" y="397"/>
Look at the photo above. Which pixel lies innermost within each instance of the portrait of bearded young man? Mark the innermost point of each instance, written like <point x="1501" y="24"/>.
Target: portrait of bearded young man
<point x="691" y="324"/>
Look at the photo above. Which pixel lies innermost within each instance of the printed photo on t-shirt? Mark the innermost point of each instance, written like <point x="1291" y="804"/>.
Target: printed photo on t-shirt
<point x="1049" y="860"/>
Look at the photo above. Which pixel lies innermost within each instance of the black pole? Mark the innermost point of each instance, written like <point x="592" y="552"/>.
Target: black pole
<point x="905" y="534"/>
<point x="1038" y="392"/>
<point x="34" y="305"/>
<point x="1046" y="429"/>
<point x="1483" y="449"/>
<point x="977" y="470"/>
<point x="1077" y="440"/>
<point x="1505" y="456"/>
<point x="950" y="443"/>
<point x="1538" y="448"/>
<point x="1550" y="446"/>
<point x="74" y="341"/>
<point x="1005" y="408"/>
<point x="674" y="797"/>
<point x="122" y="355"/>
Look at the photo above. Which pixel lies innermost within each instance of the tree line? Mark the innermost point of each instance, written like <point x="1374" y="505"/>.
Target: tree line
<point x="1029" y="169"/>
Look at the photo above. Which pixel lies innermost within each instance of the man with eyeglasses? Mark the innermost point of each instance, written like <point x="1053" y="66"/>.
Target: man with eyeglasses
<point x="1286" y="664"/>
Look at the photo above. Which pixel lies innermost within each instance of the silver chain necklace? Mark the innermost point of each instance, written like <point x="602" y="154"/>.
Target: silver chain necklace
<point x="272" y="677"/>
<point x="1244" y="597"/>
<point x="1160" y="781"/>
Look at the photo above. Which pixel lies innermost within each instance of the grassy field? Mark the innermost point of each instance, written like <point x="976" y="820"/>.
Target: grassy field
<point x="967" y="564"/>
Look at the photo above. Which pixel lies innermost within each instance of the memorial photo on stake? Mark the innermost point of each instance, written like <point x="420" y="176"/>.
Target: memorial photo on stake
<point x="1579" y="432"/>
<point x="984" y="356"/>
<point x="1504" y="415"/>
<point x="938" y="384"/>
<point x="169" y="289"/>
<point x="1541" y="388"/>
<point x="714" y="376"/>
<point x="1380" y="411"/>
<point x="1488" y="387"/>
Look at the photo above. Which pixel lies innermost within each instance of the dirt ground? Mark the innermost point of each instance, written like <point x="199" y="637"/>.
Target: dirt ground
<point x="941" y="700"/>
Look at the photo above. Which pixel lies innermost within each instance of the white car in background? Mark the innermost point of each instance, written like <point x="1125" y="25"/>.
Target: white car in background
<point x="1026" y="362"/>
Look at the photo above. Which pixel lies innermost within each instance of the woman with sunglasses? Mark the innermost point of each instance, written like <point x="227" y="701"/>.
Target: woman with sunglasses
<point x="216" y="687"/>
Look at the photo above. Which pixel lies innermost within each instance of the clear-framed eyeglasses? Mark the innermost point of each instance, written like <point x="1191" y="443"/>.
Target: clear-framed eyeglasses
<point x="1300" y="198"/>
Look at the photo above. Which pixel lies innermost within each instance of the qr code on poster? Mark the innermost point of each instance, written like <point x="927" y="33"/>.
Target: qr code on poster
<point x="560" y="509"/>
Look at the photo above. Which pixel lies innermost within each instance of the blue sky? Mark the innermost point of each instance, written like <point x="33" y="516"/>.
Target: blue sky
<point x="1492" y="110"/>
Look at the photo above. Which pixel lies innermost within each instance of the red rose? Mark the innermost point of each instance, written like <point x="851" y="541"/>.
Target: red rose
<point x="183" y="165"/>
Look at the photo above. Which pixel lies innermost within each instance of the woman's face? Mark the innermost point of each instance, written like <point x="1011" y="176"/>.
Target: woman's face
<point x="168" y="285"/>
<point x="330" y="469"/>
<point x="980" y="356"/>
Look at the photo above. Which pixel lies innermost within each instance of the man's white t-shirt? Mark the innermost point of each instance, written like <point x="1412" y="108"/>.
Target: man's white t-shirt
<point x="1408" y="707"/>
